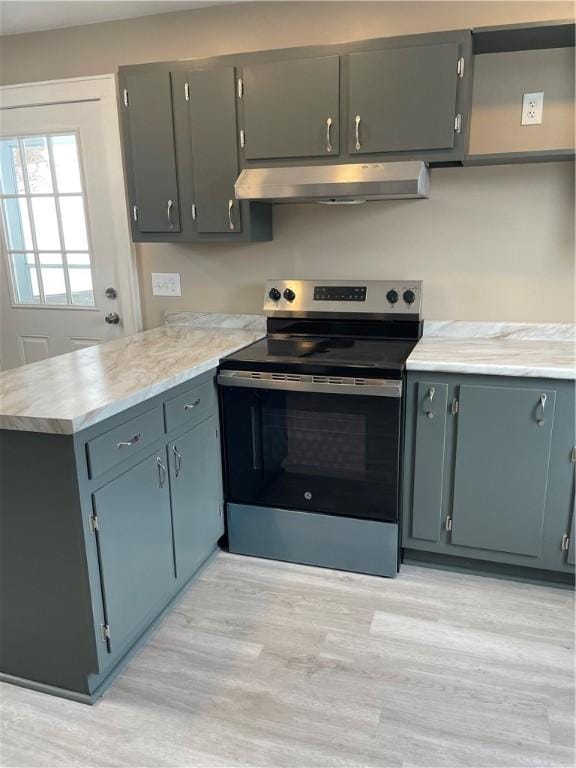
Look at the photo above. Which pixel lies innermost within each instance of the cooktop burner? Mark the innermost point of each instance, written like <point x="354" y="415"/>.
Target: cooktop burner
<point x="317" y="354"/>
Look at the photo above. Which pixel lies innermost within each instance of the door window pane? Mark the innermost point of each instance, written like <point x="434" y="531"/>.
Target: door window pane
<point x="45" y="223"/>
<point x="11" y="173"/>
<point x="41" y="175"/>
<point x="54" y="285"/>
<point x="79" y="259"/>
<point x="73" y="223"/>
<point x="17" y="223"/>
<point x="26" y="289"/>
<point x="66" y="163"/>
<point x="38" y="164"/>
<point x="81" y="286"/>
<point x="50" y="259"/>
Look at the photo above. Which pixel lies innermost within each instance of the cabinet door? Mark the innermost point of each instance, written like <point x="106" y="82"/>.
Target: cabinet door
<point x="135" y="548"/>
<point x="402" y="99"/>
<point x="287" y="106"/>
<point x="429" y="461"/>
<point x="501" y="469"/>
<point x="214" y="149"/>
<point x="151" y="155"/>
<point x="196" y="485"/>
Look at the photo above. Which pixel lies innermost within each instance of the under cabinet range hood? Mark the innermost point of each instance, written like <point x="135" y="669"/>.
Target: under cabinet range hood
<point x="350" y="183"/>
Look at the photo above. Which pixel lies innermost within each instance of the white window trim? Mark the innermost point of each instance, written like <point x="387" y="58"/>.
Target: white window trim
<point x="102" y="88"/>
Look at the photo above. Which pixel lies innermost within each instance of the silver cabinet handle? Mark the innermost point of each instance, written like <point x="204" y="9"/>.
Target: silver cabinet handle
<point x="430" y="396"/>
<point x="169" y="214"/>
<point x="230" y="222"/>
<point x="565" y="543"/>
<point x="357" y="123"/>
<point x="540" y="409"/>
<point x="161" y="472"/>
<point x="328" y="142"/>
<point x="130" y="442"/>
<point x="177" y="460"/>
<point x="189" y="406"/>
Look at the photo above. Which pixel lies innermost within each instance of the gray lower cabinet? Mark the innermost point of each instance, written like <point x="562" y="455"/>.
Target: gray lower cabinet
<point x="291" y="108"/>
<point x="488" y="470"/>
<point x="197" y="505"/>
<point x="135" y="548"/>
<point x="501" y="469"/>
<point x="146" y="109"/>
<point x="90" y="560"/>
<point x="403" y="99"/>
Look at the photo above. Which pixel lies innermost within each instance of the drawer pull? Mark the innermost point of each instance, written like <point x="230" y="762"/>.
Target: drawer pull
<point x="189" y="406"/>
<point x="161" y="472"/>
<point x="130" y="442"/>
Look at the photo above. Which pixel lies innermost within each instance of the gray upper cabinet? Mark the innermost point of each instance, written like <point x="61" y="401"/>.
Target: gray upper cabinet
<point x="291" y="108"/>
<point x="403" y="100"/>
<point x="134" y="539"/>
<point x="150" y="151"/>
<point x="213" y="134"/>
<point x="196" y="488"/>
<point x="501" y="470"/>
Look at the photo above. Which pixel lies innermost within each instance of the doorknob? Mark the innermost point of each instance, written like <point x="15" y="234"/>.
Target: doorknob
<point x="111" y="293"/>
<point x="112" y="318"/>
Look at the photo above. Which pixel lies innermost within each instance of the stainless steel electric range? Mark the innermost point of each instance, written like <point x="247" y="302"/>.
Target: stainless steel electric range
<point x="312" y="424"/>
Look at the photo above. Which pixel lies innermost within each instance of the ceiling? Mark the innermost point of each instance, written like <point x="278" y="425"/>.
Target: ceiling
<point x="18" y="16"/>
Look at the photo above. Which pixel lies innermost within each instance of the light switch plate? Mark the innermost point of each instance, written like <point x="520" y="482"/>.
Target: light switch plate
<point x="532" y="108"/>
<point x="166" y="284"/>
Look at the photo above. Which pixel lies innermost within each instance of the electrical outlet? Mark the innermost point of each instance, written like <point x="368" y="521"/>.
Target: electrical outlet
<point x="532" y="108"/>
<point x="166" y="284"/>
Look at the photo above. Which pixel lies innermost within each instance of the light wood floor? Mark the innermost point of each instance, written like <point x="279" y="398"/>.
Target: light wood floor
<point x="269" y="664"/>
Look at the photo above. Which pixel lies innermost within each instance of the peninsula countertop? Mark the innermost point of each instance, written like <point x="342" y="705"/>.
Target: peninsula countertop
<point x="67" y="393"/>
<point x="502" y="349"/>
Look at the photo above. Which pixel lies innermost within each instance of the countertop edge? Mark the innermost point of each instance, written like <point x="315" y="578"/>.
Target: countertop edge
<point x="492" y="369"/>
<point x="62" y="426"/>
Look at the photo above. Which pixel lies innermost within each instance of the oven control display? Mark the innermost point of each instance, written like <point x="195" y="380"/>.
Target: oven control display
<point x="339" y="293"/>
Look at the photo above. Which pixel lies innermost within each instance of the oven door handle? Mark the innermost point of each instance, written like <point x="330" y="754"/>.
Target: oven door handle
<point x="256" y="441"/>
<point x="306" y="383"/>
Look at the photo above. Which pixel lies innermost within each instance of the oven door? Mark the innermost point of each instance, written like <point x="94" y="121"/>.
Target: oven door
<point x="292" y="446"/>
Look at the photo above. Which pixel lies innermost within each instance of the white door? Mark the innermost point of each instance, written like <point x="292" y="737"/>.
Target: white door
<point x="68" y="277"/>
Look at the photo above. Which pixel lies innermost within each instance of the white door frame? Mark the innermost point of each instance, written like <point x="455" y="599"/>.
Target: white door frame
<point x="104" y="89"/>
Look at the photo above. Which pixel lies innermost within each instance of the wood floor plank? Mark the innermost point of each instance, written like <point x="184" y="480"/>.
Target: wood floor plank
<point x="274" y="664"/>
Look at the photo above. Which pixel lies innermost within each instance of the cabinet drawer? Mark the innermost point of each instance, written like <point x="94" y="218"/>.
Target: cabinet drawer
<point x="191" y="407"/>
<point x="120" y="443"/>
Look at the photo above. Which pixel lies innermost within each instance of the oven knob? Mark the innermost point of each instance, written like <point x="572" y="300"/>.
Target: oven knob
<point x="409" y="296"/>
<point x="274" y="294"/>
<point x="289" y="294"/>
<point x="392" y="296"/>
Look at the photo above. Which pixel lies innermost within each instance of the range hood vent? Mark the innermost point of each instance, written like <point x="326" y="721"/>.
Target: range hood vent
<point x="353" y="182"/>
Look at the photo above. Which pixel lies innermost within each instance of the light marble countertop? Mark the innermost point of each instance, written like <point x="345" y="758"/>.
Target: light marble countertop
<point x="547" y="359"/>
<point x="67" y="393"/>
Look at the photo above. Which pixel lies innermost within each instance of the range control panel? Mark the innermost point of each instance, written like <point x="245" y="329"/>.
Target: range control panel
<point x="370" y="297"/>
<point x="339" y="293"/>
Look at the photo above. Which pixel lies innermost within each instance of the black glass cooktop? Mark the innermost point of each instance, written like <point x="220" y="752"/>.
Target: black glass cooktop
<point x="321" y="355"/>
